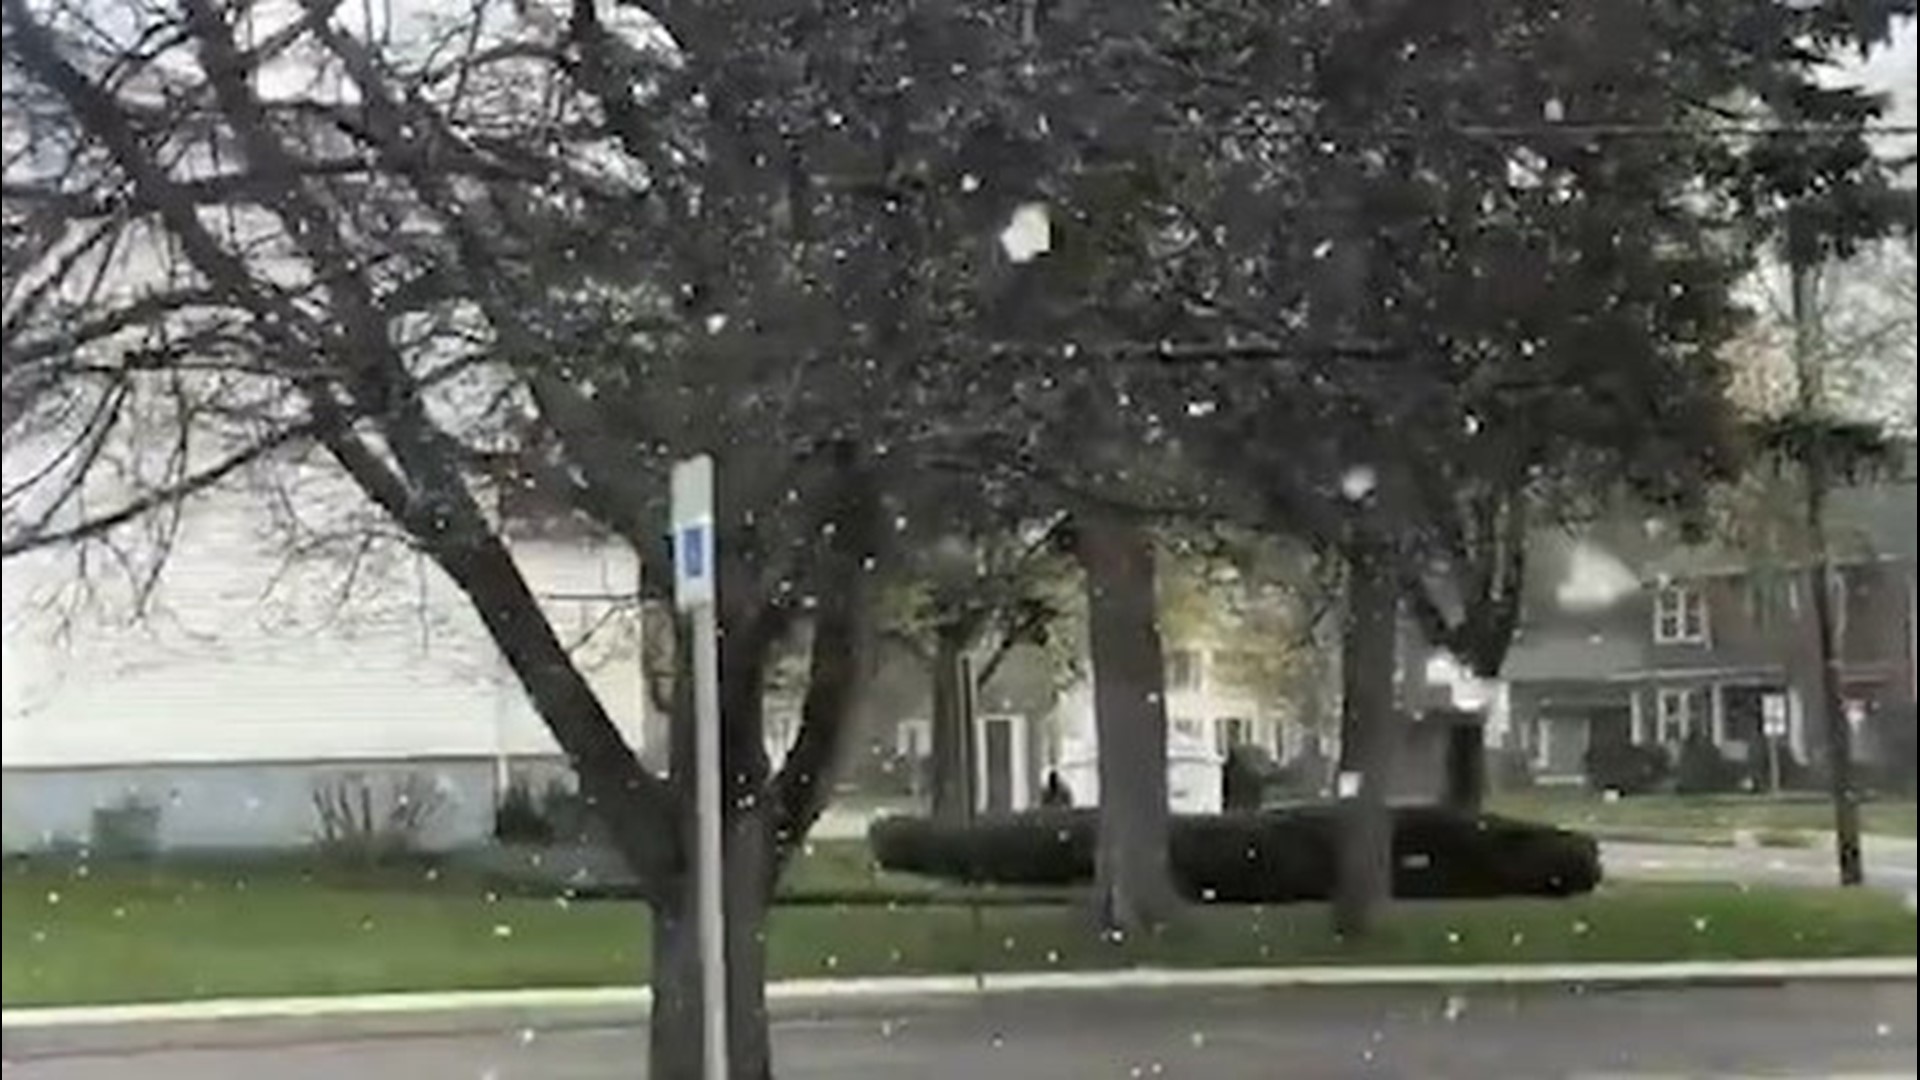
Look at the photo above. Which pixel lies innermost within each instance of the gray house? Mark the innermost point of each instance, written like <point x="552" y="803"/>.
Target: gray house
<point x="1629" y="635"/>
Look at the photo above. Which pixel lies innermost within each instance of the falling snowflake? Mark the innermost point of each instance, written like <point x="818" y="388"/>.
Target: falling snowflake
<point x="1358" y="482"/>
<point x="1029" y="233"/>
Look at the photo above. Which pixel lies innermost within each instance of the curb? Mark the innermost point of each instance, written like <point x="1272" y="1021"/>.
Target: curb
<point x="630" y="1000"/>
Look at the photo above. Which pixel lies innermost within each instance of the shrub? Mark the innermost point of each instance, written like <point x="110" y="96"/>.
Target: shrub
<point x="1704" y="770"/>
<point x="518" y="817"/>
<point x="1627" y="768"/>
<point x="1271" y="856"/>
<point x="359" y="824"/>
<point x="128" y="829"/>
<point x="1890" y="737"/>
<point x="1304" y="776"/>
<point x="1509" y="769"/>
<point x="1244" y="777"/>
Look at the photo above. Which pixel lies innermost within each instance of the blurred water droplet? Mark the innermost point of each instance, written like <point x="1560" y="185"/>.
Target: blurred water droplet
<point x="1198" y="1038"/>
<point x="53" y="896"/>
<point x="39" y="937"/>
<point x="1580" y="926"/>
<point x="1518" y="939"/>
<point x="502" y="930"/>
<point x="119" y="913"/>
<point x="997" y="1041"/>
<point x="1883" y="1029"/>
<point x="526" y="1035"/>
<point x="1700" y="924"/>
<point x="1453" y="937"/>
<point x="831" y="961"/>
<point x="969" y="183"/>
<point x="886" y="1029"/>
<point x="716" y="322"/>
<point x="1053" y="956"/>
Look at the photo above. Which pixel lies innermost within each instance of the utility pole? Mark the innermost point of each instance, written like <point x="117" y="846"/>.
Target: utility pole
<point x="1817" y="467"/>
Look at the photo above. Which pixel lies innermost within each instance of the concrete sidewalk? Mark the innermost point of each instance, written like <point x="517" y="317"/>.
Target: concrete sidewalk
<point x="447" y="1006"/>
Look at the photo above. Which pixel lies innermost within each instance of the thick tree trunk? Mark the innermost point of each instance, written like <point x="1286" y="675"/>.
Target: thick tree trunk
<point x="950" y="728"/>
<point x="1369" y="737"/>
<point x="675" y="1048"/>
<point x="1133" y="878"/>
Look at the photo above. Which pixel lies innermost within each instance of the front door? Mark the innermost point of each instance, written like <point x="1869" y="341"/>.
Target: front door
<point x="997" y="763"/>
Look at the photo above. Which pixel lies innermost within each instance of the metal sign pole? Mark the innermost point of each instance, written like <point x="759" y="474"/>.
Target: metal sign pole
<point x="695" y="592"/>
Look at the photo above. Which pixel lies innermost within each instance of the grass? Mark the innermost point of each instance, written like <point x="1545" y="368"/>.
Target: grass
<point x="116" y="934"/>
<point x="1702" y="818"/>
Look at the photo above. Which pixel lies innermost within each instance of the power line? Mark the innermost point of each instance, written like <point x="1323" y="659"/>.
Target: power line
<point x="1599" y="130"/>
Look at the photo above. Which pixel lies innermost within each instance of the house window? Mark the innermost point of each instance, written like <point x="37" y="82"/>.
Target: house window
<point x="1231" y="731"/>
<point x="1679" y="615"/>
<point x="1677" y="714"/>
<point x="1183" y="669"/>
<point x="913" y="739"/>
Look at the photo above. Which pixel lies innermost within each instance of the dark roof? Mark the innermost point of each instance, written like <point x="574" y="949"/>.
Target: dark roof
<point x="1550" y="656"/>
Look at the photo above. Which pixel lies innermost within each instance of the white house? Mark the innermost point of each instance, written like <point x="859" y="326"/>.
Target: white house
<point x="252" y="681"/>
<point x="1208" y="713"/>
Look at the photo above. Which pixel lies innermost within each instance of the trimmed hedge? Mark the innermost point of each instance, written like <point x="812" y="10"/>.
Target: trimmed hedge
<point x="1270" y="856"/>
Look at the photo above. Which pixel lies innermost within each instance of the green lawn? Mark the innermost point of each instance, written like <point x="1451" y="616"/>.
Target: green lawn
<point x="1709" y="818"/>
<point x="133" y="934"/>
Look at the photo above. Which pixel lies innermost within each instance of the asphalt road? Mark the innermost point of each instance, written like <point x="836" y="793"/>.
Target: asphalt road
<point x="1890" y="863"/>
<point x="1809" y="1030"/>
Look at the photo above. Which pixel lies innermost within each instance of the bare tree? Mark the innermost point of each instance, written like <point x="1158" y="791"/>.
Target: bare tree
<point x="433" y="256"/>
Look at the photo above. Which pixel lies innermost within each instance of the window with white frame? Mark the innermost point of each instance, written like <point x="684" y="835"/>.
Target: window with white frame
<point x="1183" y="669"/>
<point x="913" y="739"/>
<point x="1231" y="731"/>
<point x="1679" y="615"/>
<point x="1678" y="711"/>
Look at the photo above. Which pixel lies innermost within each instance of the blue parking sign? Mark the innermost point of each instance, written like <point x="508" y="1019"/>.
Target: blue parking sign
<point x="692" y="555"/>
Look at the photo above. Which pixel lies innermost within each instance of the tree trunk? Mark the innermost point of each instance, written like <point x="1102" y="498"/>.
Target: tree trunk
<point x="1838" y="729"/>
<point x="1133" y="879"/>
<point x="675" y="1026"/>
<point x="950" y="728"/>
<point x="1369" y="737"/>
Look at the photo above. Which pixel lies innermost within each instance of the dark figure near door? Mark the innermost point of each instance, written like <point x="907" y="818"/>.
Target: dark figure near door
<point x="1056" y="793"/>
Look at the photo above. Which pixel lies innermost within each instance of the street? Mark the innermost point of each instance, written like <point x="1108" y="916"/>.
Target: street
<point x="1826" y="1030"/>
<point x="1890" y="863"/>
